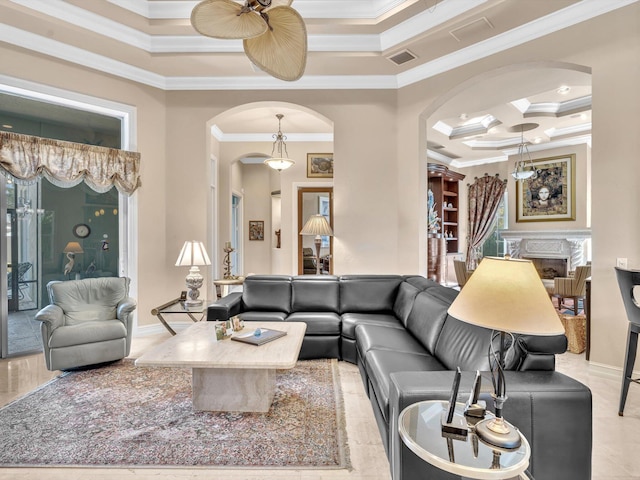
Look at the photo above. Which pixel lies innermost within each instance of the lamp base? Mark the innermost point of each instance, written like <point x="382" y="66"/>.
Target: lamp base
<point x="497" y="432"/>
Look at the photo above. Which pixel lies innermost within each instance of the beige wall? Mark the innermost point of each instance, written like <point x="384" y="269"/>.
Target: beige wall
<point x="380" y="162"/>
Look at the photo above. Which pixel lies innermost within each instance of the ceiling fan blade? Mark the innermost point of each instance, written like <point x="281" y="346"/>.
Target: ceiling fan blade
<point x="223" y="19"/>
<point x="282" y="50"/>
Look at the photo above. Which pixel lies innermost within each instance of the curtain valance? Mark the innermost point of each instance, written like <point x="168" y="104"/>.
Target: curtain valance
<point x="66" y="163"/>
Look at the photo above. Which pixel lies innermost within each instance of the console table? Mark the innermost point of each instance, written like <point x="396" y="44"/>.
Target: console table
<point x="420" y="429"/>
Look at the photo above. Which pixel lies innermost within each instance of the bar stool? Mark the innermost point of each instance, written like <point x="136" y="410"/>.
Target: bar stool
<point x="627" y="279"/>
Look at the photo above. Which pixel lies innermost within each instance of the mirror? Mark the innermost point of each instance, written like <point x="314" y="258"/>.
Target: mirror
<point x="313" y="201"/>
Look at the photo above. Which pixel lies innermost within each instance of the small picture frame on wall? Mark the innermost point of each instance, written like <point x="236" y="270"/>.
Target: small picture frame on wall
<point x="550" y="196"/>
<point x="319" y="165"/>
<point x="256" y="230"/>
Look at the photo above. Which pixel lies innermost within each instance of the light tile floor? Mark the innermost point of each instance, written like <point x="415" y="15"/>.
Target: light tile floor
<point x="616" y="439"/>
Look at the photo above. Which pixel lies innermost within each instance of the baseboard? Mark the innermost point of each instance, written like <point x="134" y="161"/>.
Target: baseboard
<point x="603" y="370"/>
<point x="148" y="330"/>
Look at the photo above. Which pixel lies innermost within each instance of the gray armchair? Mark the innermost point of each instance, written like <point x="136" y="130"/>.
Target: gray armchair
<point x="88" y="322"/>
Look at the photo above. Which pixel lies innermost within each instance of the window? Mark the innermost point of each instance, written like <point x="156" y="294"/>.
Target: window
<point x="494" y="246"/>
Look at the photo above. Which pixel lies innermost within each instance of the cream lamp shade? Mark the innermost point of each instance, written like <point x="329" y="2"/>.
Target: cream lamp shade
<point x="193" y="254"/>
<point x="316" y="225"/>
<point x="507" y="295"/>
<point x="73" y="247"/>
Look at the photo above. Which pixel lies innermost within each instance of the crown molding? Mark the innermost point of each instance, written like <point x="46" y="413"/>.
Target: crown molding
<point x="354" y="9"/>
<point x="579" y="12"/>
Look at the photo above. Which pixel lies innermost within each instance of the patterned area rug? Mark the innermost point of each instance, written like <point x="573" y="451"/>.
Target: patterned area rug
<point x="122" y="415"/>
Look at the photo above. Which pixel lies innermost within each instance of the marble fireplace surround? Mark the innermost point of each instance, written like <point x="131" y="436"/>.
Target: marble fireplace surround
<point x="560" y="244"/>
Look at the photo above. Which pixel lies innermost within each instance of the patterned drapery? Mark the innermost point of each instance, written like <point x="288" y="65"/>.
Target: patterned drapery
<point x="66" y="164"/>
<point x="485" y="195"/>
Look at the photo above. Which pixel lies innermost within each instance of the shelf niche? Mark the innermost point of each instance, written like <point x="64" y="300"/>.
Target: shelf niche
<point x="444" y="247"/>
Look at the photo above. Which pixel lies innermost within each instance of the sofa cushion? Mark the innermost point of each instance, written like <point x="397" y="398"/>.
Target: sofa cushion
<point x="269" y="293"/>
<point x="87" y="333"/>
<point x="427" y="318"/>
<point x="315" y="293"/>
<point x="369" y="337"/>
<point x="368" y="293"/>
<point x="464" y="345"/>
<point x="420" y="282"/>
<point x="380" y="364"/>
<point x="404" y="301"/>
<point x="351" y="320"/>
<point x="318" y="323"/>
<point x="258" y="316"/>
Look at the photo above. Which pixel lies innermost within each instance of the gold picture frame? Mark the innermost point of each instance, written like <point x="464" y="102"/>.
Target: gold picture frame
<point x="550" y="196"/>
<point x="319" y="165"/>
<point x="256" y="229"/>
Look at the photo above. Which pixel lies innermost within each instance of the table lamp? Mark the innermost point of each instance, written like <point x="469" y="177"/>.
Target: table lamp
<point x="71" y="249"/>
<point x="317" y="225"/>
<point x="193" y="254"/>
<point x="506" y="296"/>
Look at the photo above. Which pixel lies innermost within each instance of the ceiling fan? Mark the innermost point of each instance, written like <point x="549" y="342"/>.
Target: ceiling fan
<point x="273" y="34"/>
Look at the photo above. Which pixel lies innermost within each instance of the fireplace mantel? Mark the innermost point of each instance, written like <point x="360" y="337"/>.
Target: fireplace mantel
<point x="566" y="244"/>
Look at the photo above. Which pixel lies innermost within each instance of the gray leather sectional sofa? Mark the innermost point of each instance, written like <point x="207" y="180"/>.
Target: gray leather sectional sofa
<point x="397" y="330"/>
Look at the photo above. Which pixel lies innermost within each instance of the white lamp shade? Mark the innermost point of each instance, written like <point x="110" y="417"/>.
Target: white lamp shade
<point x="507" y="295"/>
<point x="316" y="225"/>
<point x="193" y="253"/>
<point x="279" y="163"/>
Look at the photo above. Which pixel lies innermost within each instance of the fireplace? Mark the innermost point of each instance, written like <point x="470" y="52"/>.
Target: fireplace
<point x="550" y="268"/>
<point x="553" y="252"/>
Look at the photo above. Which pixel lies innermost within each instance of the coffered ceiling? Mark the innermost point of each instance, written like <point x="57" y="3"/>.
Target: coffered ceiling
<point x="352" y="45"/>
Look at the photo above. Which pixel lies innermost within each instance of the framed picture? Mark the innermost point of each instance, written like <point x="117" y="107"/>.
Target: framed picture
<point x="550" y="196"/>
<point x="319" y="165"/>
<point x="256" y="230"/>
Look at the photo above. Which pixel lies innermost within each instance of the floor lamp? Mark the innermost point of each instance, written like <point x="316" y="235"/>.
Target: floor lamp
<point x="317" y="225"/>
<point x="507" y="296"/>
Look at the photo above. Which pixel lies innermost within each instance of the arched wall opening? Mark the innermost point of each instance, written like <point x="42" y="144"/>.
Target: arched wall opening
<point x="240" y="139"/>
<point x="479" y="94"/>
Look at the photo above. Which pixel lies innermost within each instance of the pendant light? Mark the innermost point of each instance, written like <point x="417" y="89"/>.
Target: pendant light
<point x="524" y="167"/>
<point x="279" y="160"/>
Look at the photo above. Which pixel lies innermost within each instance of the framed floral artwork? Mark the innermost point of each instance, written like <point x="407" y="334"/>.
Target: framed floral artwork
<point x="550" y="194"/>
<point x="256" y="230"/>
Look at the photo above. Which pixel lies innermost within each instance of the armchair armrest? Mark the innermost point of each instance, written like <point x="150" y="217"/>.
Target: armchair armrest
<point x="226" y="307"/>
<point x="52" y="315"/>
<point x="125" y="307"/>
<point x="551" y="410"/>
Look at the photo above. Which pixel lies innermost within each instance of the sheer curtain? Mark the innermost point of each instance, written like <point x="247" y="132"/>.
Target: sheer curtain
<point x="485" y="195"/>
<point x="66" y="164"/>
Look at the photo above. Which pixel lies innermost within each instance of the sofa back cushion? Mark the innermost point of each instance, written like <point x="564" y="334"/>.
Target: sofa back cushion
<point x="426" y="319"/>
<point x="368" y="293"/>
<point x="271" y="293"/>
<point x="315" y="293"/>
<point x="404" y="301"/>
<point x="90" y="299"/>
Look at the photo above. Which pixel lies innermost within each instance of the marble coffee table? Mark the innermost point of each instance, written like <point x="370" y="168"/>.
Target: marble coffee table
<point x="228" y="375"/>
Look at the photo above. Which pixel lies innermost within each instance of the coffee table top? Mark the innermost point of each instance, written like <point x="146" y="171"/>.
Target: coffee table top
<point x="196" y="347"/>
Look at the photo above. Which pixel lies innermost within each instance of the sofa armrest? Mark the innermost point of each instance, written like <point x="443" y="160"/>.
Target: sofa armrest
<point x="226" y="307"/>
<point x="552" y="411"/>
<point x="52" y="315"/>
<point x="539" y="352"/>
<point x="125" y="308"/>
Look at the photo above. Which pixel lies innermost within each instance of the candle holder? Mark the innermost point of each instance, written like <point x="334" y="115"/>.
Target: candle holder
<point x="227" y="262"/>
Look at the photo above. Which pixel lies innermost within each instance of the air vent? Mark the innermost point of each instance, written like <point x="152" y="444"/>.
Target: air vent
<point x="402" y="57"/>
<point x="473" y="31"/>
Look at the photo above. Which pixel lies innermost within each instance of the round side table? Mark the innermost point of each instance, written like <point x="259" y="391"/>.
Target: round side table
<point x="420" y="429"/>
